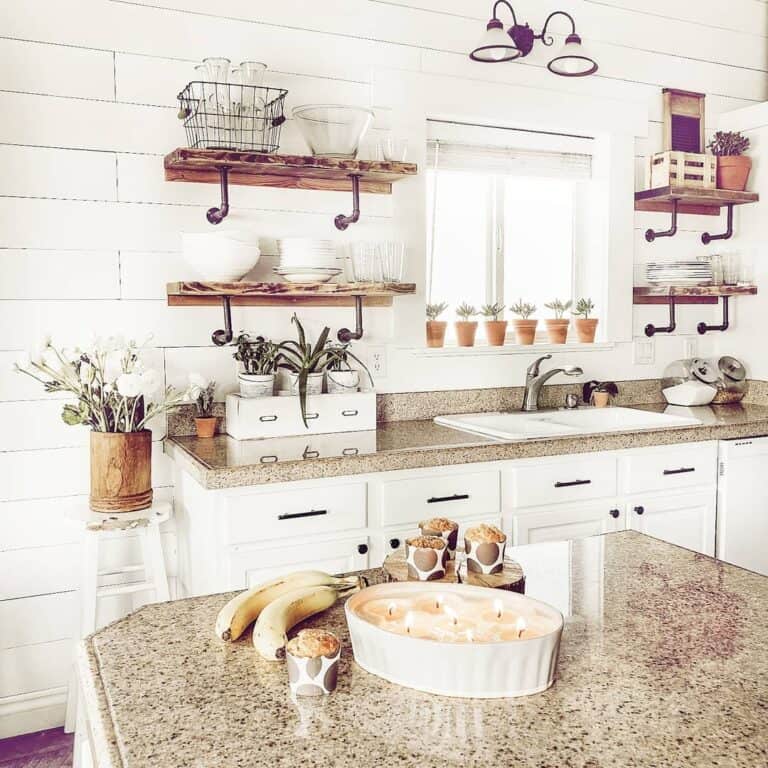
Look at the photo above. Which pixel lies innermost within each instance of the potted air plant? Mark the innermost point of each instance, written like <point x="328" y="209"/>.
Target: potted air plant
<point x="436" y="328"/>
<point x="466" y="328"/>
<point x="259" y="357"/>
<point x="733" y="166"/>
<point x="495" y="329"/>
<point x="599" y="393"/>
<point x="201" y="392"/>
<point x="340" y="376"/>
<point x="306" y="364"/>
<point x="585" y="325"/>
<point x="116" y="396"/>
<point x="525" y="328"/>
<point x="557" y="327"/>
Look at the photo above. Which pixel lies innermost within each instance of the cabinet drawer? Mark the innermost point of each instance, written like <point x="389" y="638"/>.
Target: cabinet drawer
<point x="566" y="522"/>
<point x="577" y="479"/>
<point x="288" y="514"/>
<point x="453" y="496"/>
<point x="661" y="469"/>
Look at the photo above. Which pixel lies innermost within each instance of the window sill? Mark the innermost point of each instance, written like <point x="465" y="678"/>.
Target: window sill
<point x="508" y="349"/>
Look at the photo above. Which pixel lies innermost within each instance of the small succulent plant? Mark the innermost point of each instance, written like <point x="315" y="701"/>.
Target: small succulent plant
<point x="584" y="308"/>
<point x="523" y="309"/>
<point x="728" y="143"/>
<point x="559" y="307"/>
<point x="465" y="311"/>
<point x="598" y="386"/>
<point x="492" y="311"/>
<point x="435" y="310"/>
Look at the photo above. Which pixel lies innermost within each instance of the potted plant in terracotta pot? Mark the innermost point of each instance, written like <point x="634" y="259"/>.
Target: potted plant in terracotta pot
<point x="586" y="326"/>
<point x="465" y="327"/>
<point x="116" y="396"/>
<point x="495" y="329"/>
<point x="557" y="327"/>
<point x="599" y="393"/>
<point x="436" y="328"/>
<point x="340" y="376"/>
<point x="201" y="391"/>
<point x="733" y="166"/>
<point x="259" y="360"/>
<point x="525" y="329"/>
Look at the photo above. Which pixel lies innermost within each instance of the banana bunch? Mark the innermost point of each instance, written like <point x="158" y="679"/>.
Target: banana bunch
<point x="278" y="605"/>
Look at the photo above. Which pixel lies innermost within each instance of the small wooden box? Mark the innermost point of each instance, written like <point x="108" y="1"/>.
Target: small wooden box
<point x="682" y="169"/>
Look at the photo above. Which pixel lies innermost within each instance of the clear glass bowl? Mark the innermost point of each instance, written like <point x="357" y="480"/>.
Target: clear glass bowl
<point x="332" y="130"/>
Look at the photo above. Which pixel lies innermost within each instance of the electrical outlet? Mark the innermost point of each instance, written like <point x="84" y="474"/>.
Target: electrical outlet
<point x="643" y="352"/>
<point x="377" y="362"/>
<point x="690" y="347"/>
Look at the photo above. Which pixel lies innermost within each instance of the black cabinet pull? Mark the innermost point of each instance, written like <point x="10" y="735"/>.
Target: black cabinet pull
<point x="569" y="483"/>
<point x="268" y="418"/>
<point x="614" y="513"/>
<point x="297" y="515"/>
<point x="313" y="416"/>
<point x="352" y="412"/>
<point x="350" y="452"/>
<point x="394" y="543"/>
<point x="681" y="471"/>
<point x="362" y="548"/>
<point x="310" y="454"/>
<point x="455" y="497"/>
<point x="639" y="510"/>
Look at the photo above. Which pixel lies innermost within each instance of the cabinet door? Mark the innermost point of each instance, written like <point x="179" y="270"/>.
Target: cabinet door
<point x="565" y="521"/>
<point x="251" y="565"/>
<point x="687" y="520"/>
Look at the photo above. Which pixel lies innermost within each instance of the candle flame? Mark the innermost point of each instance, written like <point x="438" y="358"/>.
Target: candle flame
<point x="391" y="609"/>
<point x="470" y="635"/>
<point x="408" y="622"/>
<point x="450" y="612"/>
<point x="498" y="607"/>
<point x="439" y="602"/>
<point x="521" y="625"/>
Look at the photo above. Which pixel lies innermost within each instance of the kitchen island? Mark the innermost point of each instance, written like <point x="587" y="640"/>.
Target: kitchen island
<point x="664" y="662"/>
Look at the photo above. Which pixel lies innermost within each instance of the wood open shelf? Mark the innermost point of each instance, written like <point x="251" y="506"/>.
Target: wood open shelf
<point x="689" y="294"/>
<point x="281" y="294"/>
<point x="706" y="202"/>
<point x="256" y="169"/>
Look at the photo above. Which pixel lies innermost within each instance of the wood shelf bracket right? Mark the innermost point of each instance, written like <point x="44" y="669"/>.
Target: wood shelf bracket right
<point x="652" y="329"/>
<point x="651" y="235"/>
<point x="706" y="238"/>
<point x="342" y="221"/>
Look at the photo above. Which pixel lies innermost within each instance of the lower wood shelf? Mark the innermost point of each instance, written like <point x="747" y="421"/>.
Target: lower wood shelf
<point x="688" y="294"/>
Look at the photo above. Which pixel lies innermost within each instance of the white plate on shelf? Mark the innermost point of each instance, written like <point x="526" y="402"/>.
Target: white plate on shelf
<point x="310" y="275"/>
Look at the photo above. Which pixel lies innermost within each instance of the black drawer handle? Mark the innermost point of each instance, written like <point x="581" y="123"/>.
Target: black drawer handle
<point x="350" y="413"/>
<point x="569" y="483"/>
<point x="394" y="543"/>
<point x="614" y="513"/>
<point x="267" y="418"/>
<point x="640" y="510"/>
<point x="297" y="515"/>
<point x="362" y="548"/>
<point x="350" y="452"/>
<point x="681" y="471"/>
<point x="310" y="454"/>
<point x="313" y="416"/>
<point x="268" y="459"/>
<point x="455" y="497"/>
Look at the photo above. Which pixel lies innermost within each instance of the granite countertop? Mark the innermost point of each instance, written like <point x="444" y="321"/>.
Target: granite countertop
<point x="222" y="462"/>
<point x="663" y="662"/>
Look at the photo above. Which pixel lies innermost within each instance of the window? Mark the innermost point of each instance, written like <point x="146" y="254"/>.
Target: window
<point x="502" y="220"/>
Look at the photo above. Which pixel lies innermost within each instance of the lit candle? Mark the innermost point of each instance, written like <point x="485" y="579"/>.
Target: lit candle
<point x="521" y="625"/>
<point x="391" y="609"/>
<point x="452" y="614"/>
<point x="408" y="622"/>
<point x="470" y="635"/>
<point x="498" y="607"/>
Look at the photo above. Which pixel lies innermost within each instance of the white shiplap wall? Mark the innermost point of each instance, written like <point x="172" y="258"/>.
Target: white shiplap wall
<point x="89" y="229"/>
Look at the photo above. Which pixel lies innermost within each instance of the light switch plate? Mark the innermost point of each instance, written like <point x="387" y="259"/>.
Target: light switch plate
<point x="690" y="347"/>
<point x="643" y="352"/>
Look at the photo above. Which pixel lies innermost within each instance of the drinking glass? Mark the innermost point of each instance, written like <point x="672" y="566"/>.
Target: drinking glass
<point x="366" y="263"/>
<point x="730" y="268"/>
<point x="217" y="71"/>
<point x="391" y="259"/>
<point x="392" y="150"/>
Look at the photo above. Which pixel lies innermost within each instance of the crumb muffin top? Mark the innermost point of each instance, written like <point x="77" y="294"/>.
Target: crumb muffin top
<point x="426" y="542"/>
<point x="442" y="524"/>
<point x="485" y="533"/>
<point x="313" y="643"/>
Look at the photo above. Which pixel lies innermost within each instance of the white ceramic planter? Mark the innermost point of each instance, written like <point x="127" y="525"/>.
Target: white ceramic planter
<point x="483" y="670"/>
<point x="314" y="383"/>
<point x="256" y="385"/>
<point x="342" y="382"/>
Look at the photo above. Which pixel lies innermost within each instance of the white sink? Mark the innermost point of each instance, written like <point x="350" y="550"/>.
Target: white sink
<point x="583" y="421"/>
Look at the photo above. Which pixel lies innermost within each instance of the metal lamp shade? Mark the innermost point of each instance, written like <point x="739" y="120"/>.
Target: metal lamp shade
<point x="495" y="45"/>
<point x="572" y="61"/>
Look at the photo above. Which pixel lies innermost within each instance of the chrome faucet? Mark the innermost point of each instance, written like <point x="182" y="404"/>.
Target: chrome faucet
<point x="534" y="381"/>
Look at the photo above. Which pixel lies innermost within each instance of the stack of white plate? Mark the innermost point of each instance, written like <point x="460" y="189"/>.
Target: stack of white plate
<point x="679" y="272"/>
<point x="303" y="260"/>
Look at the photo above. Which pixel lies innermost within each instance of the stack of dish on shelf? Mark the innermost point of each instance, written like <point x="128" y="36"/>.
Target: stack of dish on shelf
<point x="694" y="272"/>
<point x="303" y="260"/>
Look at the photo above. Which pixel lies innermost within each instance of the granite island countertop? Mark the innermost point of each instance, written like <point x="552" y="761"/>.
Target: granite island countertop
<point x="223" y="462"/>
<point x="663" y="662"/>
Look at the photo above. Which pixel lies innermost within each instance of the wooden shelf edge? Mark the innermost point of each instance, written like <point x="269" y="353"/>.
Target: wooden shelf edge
<point x="705" y="198"/>
<point x="278" y="301"/>
<point x="700" y="294"/>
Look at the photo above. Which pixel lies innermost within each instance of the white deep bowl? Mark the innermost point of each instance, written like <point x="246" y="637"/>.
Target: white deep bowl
<point x="481" y="670"/>
<point x="220" y="257"/>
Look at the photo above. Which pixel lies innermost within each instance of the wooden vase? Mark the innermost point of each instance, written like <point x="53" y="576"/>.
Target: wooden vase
<point x="585" y="329"/>
<point x="465" y="332"/>
<point x="121" y="471"/>
<point x="557" y="330"/>
<point x="436" y="332"/>
<point x="205" y="426"/>
<point x="496" y="332"/>
<point x="525" y="331"/>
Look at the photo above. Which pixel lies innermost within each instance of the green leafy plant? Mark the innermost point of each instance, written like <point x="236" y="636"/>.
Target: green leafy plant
<point x="584" y="307"/>
<point x="598" y="386"/>
<point x="728" y="143"/>
<point x="522" y="309"/>
<point x="559" y="307"/>
<point x="259" y="356"/>
<point x="202" y="391"/>
<point x="339" y="356"/>
<point x="492" y="311"/>
<point x="435" y="310"/>
<point x="301" y="357"/>
<point x="465" y="311"/>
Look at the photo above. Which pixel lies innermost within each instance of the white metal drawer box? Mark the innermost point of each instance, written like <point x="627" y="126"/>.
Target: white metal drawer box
<point x="457" y="495"/>
<point x="669" y="469"/>
<point x="304" y="512"/>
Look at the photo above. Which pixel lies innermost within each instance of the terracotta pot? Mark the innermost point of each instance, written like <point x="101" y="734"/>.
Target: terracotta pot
<point x="733" y="172"/>
<point x="557" y="330"/>
<point x="436" y="332"/>
<point x="585" y="329"/>
<point x="205" y="426"/>
<point x="525" y="331"/>
<point x="496" y="332"/>
<point x="465" y="332"/>
<point x="121" y="471"/>
<point x="601" y="399"/>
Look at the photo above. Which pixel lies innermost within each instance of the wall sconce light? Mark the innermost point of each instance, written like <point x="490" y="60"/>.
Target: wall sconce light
<point x="517" y="42"/>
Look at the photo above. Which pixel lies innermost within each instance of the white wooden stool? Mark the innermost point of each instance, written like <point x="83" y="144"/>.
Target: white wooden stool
<point x="94" y="525"/>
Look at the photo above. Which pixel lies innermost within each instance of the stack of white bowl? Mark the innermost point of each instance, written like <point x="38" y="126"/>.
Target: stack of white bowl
<point x="304" y="260"/>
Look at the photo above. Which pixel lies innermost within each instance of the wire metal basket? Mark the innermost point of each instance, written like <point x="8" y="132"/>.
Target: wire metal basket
<point x="232" y="116"/>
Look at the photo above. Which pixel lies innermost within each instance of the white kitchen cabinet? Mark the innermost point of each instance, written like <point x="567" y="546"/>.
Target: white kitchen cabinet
<point x="562" y="522"/>
<point x="687" y="520"/>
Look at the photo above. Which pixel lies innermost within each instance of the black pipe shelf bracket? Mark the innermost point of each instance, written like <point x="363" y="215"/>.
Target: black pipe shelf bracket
<point x="702" y="328"/>
<point x="342" y="221"/>
<point x="217" y="215"/>
<point x="222" y="337"/>
<point x="706" y="238"/>
<point x="651" y="235"/>
<point x="652" y="329"/>
<point x="345" y="335"/>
